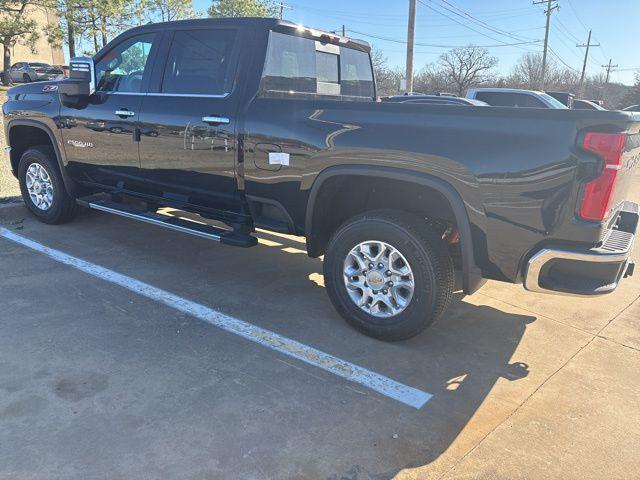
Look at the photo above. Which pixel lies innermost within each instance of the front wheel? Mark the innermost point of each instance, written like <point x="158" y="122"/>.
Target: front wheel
<point x="42" y="187"/>
<point x="389" y="274"/>
<point x="26" y="78"/>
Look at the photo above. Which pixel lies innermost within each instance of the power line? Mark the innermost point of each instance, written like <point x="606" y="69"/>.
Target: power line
<point x="575" y="12"/>
<point x="478" y="21"/>
<point x="559" y="58"/>
<point x="395" y="40"/>
<point x="474" y="30"/>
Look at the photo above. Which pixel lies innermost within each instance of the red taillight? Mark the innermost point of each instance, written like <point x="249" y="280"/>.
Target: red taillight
<point x="598" y="193"/>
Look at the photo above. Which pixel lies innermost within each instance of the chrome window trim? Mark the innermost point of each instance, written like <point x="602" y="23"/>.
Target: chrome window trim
<point x="157" y="94"/>
<point x="199" y="95"/>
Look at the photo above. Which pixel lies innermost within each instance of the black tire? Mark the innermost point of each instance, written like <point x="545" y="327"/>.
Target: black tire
<point x="424" y="250"/>
<point x="63" y="207"/>
<point x="26" y="78"/>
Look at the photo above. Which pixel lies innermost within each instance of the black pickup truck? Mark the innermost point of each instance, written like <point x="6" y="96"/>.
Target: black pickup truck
<point x="261" y="123"/>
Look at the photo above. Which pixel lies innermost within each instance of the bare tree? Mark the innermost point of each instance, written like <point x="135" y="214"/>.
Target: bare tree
<point x="527" y="73"/>
<point x="431" y="80"/>
<point x="466" y="67"/>
<point x="387" y="79"/>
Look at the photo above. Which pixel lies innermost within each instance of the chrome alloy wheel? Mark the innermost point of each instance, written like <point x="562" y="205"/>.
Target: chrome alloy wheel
<point x="378" y="278"/>
<point x="39" y="186"/>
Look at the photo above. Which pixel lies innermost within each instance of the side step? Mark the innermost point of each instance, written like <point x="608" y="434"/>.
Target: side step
<point x="226" y="237"/>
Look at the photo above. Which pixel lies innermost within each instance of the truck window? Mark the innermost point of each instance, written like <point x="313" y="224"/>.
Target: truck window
<point x="510" y="99"/>
<point x="290" y="64"/>
<point x="199" y="62"/>
<point x="298" y="65"/>
<point x="122" y="68"/>
<point x="356" y="73"/>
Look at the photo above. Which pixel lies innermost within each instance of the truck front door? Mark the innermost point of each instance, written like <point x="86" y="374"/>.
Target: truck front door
<point x="188" y="119"/>
<point x="99" y="137"/>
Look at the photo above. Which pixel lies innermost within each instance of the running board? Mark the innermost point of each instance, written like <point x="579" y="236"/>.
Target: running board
<point x="226" y="237"/>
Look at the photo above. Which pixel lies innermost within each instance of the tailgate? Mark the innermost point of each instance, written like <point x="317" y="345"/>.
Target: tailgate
<point x="628" y="187"/>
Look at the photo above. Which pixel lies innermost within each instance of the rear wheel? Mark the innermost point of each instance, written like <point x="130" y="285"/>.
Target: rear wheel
<point x="26" y="78"/>
<point x="42" y="188"/>
<point x="389" y="274"/>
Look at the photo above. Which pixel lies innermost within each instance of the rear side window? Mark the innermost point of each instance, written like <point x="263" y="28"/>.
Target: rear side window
<point x="290" y="65"/>
<point x="305" y="66"/>
<point x="199" y="62"/>
<point x="356" y="73"/>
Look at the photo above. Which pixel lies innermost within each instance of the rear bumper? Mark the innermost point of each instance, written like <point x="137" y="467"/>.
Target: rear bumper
<point x="588" y="271"/>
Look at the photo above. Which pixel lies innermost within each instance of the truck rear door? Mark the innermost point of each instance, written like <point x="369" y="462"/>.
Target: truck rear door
<point x="188" y="118"/>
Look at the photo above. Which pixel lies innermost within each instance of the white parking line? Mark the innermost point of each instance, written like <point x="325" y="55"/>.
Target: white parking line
<point x="367" y="378"/>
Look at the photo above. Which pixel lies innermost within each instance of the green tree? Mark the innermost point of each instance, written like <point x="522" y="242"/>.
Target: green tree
<point x="242" y="8"/>
<point x="17" y="27"/>
<point x="165" y="10"/>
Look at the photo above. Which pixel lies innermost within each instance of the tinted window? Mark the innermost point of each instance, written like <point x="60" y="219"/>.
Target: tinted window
<point x="122" y="69"/>
<point x="327" y="67"/>
<point x="302" y="65"/>
<point x="510" y="99"/>
<point x="555" y="102"/>
<point x="356" y="74"/>
<point x="199" y="62"/>
<point x="290" y="64"/>
<point x="40" y="65"/>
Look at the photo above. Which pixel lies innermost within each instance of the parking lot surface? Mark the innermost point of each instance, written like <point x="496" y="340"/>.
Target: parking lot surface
<point x="98" y="381"/>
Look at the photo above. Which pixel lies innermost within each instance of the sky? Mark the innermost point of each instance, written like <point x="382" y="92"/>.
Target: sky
<point x="498" y="24"/>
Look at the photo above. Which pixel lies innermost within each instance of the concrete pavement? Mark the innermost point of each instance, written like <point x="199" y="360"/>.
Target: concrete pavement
<point x="97" y="382"/>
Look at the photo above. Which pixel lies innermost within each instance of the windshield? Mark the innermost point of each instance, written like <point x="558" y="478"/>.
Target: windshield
<point x="39" y="65"/>
<point x="555" y="103"/>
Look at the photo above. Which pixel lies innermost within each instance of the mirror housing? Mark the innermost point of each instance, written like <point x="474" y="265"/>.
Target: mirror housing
<point x="81" y="81"/>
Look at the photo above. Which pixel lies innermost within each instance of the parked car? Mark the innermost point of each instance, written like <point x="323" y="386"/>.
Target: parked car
<point x="514" y="97"/>
<point x="26" y="72"/>
<point x="566" y="98"/>
<point x="580" y="104"/>
<point x="436" y="100"/>
<point x="632" y="108"/>
<point x="400" y="198"/>
<point x="64" y="68"/>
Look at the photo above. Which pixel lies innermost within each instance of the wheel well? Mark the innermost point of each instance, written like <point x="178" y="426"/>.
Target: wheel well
<point x="344" y="196"/>
<point x="23" y="137"/>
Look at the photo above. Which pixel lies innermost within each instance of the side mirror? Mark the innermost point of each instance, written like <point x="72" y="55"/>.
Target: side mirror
<point x="81" y="81"/>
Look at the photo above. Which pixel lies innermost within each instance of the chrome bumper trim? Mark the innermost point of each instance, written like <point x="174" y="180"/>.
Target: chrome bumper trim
<point x="616" y="248"/>
<point x="540" y="259"/>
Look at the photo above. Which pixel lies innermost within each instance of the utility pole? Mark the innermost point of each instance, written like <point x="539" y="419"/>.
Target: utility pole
<point x="549" y="10"/>
<point x="344" y="31"/>
<point x="282" y="6"/>
<point x="411" y="30"/>
<point x="586" y="56"/>
<point x="609" y="67"/>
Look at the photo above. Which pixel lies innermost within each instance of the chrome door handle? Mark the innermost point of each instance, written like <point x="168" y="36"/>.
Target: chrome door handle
<point x="125" y="113"/>
<point x="215" y="120"/>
